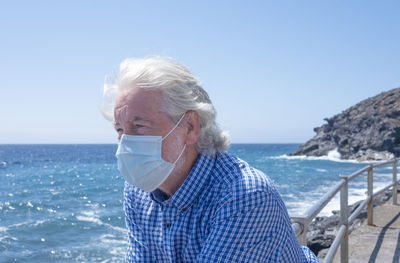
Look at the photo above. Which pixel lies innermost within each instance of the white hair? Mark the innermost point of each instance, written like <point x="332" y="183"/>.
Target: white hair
<point x="181" y="93"/>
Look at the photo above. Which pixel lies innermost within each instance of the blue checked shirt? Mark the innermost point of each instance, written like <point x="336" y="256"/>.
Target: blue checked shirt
<point x="225" y="211"/>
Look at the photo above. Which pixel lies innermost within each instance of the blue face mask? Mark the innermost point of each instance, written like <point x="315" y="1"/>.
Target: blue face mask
<point x="139" y="160"/>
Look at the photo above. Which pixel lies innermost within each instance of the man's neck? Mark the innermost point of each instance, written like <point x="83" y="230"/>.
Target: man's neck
<point x="181" y="172"/>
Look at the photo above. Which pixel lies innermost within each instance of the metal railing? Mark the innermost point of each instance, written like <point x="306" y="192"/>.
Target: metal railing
<point x="300" y="223"/>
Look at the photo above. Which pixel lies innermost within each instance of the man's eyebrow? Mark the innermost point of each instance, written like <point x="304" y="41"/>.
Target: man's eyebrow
<point x="138" y="118"/>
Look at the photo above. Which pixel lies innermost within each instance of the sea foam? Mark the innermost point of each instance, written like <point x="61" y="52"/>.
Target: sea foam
<point x="333" y="156"/>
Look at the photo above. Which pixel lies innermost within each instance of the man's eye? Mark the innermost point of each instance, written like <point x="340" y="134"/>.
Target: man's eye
<point x="136" y="126"/>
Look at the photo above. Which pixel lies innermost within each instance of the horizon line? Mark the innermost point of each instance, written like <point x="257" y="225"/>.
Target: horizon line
<point x="109" y="143"/>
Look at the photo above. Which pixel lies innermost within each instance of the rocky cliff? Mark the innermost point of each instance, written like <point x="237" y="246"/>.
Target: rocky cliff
<point x="369" y="130"/>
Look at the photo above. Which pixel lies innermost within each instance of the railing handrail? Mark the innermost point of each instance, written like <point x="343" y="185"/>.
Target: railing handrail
<point x="300" y="223"/>
<point x="359" y="172"/>
<point x="316" y="208"/>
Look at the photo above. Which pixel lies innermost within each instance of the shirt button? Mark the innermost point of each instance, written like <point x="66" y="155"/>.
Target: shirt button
<point x="167" y="225"/>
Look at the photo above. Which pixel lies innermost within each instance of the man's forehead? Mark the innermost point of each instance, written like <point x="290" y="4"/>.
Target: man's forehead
<point x="139" y="97"/>
<point x="139" y="106"/>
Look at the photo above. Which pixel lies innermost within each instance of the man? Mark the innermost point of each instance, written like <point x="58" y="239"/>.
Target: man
<point x="185" y="198"/>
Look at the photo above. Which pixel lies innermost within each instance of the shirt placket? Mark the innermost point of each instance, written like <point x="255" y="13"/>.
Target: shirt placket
<point x="169" y="215"/>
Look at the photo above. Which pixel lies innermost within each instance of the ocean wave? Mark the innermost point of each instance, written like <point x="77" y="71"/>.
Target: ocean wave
<point x="333" y="158"/>
<point x="5" y="237"/>
<point x="355" y="194"/>
<point x="28" y="223"/>
<point x="111" y="240"/>
<point x="92" y="217"/>
<point x="89" y="219"/>
<point x="89" y="216"/>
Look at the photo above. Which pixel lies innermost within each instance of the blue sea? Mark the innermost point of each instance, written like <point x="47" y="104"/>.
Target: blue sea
<point x="63" y="203"/>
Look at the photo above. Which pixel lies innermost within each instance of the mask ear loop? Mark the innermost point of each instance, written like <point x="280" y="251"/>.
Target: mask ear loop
<point x="184" y="147"/>
<point x="176" y="125"/>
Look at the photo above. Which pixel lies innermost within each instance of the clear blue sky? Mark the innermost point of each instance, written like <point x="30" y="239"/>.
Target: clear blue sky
<point x="274" y="69"/>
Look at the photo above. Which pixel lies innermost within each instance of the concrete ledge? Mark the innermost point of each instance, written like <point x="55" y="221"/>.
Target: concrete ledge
<point x="377" y="243"/>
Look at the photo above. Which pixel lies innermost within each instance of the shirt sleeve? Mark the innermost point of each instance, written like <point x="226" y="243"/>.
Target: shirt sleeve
<point x="252" y="228"/>
<point x="310" y="256"/>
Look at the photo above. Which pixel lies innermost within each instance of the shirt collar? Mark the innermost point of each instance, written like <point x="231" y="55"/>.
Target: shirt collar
<point x="194" y="184"/>
<point x="159" y="196"/>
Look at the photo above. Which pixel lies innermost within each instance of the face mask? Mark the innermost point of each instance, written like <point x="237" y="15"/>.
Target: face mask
<point x="139" y="160"/>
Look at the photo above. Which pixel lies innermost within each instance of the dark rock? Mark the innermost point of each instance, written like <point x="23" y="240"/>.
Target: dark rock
<point x="369" y="130"/>
<point x="319" y="242"/>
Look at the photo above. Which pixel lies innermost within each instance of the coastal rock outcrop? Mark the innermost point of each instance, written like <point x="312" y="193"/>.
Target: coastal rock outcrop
<point x="370" y="130"/>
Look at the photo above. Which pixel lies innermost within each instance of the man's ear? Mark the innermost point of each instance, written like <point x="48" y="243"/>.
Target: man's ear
<point x="193" y="127"/>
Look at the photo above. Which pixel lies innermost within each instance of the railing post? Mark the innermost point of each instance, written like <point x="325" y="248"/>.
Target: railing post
<point x="394" y="197"/>
<point x="303" y="235"/>
<point x="370" y="209"/>
<point x="344" y="216"/>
